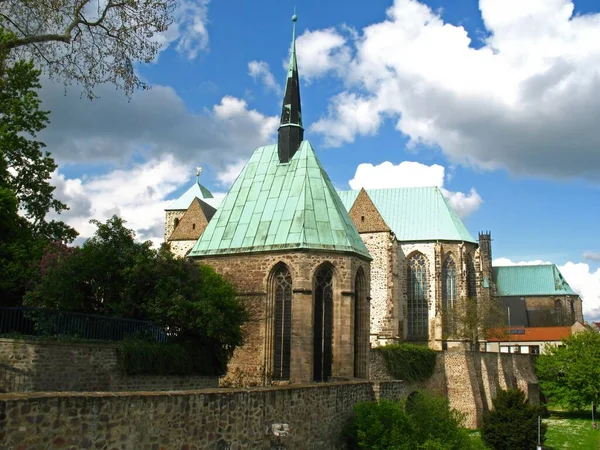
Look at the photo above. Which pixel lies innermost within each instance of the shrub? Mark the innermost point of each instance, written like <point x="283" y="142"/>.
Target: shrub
<point x="428" y="423"/>
<point x="513" y="423"/>
<point x="137" y="356"/>
<point x="408" y="362"/>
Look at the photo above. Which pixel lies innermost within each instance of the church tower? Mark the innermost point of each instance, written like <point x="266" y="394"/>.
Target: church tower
<point x="291" y="131"/>
<point x="283" y="238"/>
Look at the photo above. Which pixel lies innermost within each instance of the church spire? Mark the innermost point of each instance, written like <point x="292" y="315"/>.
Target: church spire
<point x="291" y="132"/>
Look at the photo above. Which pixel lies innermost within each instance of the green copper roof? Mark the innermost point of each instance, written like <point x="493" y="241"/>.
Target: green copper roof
<point x="186" y="199"/>
<point x="415" y="214"/>
<point x="274" y="206"/>
<point x="544" y="279"/>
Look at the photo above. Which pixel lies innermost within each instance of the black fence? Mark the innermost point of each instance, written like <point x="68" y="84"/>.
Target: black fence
<point x="54" y="323"/>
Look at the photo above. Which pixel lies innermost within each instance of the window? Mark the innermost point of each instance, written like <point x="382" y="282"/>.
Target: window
<point x="449" y="295"/>
<point x="418" y="296"/>
<point x="361" y="325"/>
<point x="323" y="324"/>
<point x="193" y="226"/>
<point x="471" y="278"/>
<point x="281" y="294"/>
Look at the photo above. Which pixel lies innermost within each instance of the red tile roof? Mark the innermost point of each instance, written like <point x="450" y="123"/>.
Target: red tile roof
<point x="530" y="334"/>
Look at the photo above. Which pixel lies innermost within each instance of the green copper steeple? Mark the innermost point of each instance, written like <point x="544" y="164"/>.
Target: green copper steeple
<point x="291" y="132"/>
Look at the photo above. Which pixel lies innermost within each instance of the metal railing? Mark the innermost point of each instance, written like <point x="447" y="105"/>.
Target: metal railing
<point x="56" y="323"/>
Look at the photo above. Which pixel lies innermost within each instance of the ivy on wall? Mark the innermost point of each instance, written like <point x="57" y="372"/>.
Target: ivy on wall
<point x="408" y="362"/>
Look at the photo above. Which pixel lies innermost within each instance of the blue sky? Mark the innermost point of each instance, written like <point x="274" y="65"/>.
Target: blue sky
<point x="497" y="101"/>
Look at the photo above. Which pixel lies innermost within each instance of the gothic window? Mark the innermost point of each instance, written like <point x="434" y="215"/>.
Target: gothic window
<point x="281" y="294"/>
<point x="323" y="324"/>
<point x="471" y="279"/>
<point x="361" y="325"/>
<point x="418" y="297"/>
<point x="449" y="294"/>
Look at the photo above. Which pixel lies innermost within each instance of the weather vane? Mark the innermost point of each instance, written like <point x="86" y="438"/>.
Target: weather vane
<point x="198" y="172"/>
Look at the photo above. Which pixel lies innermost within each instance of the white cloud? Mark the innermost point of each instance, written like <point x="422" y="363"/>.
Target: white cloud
<point x="592" y="256"/>
<point x="137" y="195"/>
<point x="580" y="277"/>
<point x="526" y="100"/>
<point x="414" y="174"/>
<point x="231" y="172"/>
<point x="191" y="18"/>
<point x="111" y="129"/>
<point x="260" y="72"/>
<point x="509" y="262"/>
<point x="320" y="52"/>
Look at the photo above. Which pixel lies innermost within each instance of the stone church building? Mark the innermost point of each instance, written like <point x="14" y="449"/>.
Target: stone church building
<point x="284" y="239"/>
<point x="327" y="274"/>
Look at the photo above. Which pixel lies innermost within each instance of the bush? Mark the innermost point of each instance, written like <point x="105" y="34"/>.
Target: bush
<point x="408" y="362"/>
<point x="137" y="356"/>
<point x="513" y="423"/>
<point x="428" y="423"/>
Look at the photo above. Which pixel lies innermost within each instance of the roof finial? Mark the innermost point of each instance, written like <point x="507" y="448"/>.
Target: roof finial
<point x="198" y="172"/>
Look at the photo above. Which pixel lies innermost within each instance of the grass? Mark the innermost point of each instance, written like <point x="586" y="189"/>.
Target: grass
<point x="571" y="430"/>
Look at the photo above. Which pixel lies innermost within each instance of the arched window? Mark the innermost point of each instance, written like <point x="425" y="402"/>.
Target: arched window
<point x="281" y="295"/>
<point x="361" y="325"/>
<point x="449" y="294"/>
<point x="323" y="323"/>
<point x="418" y="296"/>
<point x="175" y="222"/>
<point x="471" y="278"/>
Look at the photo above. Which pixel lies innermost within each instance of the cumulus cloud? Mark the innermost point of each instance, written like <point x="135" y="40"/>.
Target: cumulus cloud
<point x="137" y="194"/>
<point x="525" y="100"/>
<point x="320" y="52"/>
<point x="261" y="72"/>
<point x="111" y="129"/>
<point x="188" y="32"/>
<point x="580" y="277"/>
<point x="414" y="174"/>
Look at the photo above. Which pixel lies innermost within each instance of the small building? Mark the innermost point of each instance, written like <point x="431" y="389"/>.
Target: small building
<point x="537" y="296"/>
<point x="187" y="217"/>
<point x="529" y="340"/>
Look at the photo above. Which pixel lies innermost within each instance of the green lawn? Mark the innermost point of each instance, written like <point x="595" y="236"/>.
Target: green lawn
<point x="571" y="430"/>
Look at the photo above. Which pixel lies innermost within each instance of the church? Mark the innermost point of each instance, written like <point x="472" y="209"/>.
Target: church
<point x="328" y="274"/>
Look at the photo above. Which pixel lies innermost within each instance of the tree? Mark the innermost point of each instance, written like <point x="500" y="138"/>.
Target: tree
<point x="513" y="423"/>
<point x="27" y="170"/>
<point x="471" y="320"/>
<point x="425" y="422"/>
<point x="87" y="41"/>
<point x="569" y="374"/>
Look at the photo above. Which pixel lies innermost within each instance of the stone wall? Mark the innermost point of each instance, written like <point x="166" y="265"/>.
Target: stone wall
<point x="304" y="417"/>
<point x="471" y="380"/>
<point x="251" y="275"/>
<point x="33" y="366"/>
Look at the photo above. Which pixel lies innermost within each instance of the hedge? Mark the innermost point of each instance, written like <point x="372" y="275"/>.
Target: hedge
<point x="143" y="357"/>
<point x="408" y="362"/>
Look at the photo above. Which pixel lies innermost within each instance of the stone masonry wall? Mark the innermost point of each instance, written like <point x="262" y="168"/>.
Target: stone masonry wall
<point x="181" y="248"/>
<point x="384" y="304"/>
<point x="306" y="417"/>
<point x="170" y="217"/>
<point x="249" y="273"/>
<point x="471" y="380"/>
<point x="33" y="366"/>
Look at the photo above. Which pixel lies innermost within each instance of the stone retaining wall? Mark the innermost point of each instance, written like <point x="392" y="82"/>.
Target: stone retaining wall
<point x="33" y="366"/>
<point x="471" y="380"/>
<point x="307" y="417"/>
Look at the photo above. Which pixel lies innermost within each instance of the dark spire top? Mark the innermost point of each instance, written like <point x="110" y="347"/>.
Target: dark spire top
<point x="291" y="132"/>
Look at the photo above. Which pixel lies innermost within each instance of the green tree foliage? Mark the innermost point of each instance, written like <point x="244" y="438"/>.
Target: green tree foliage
<point x="86" y="41"/>
<point x="570" y="374"/>
<point x="513" y="423"/>
<point x="408" y="362"/>
<point x="426" y="422"/>
<point x="24" y="180"/>
<point x="112" y="274"/>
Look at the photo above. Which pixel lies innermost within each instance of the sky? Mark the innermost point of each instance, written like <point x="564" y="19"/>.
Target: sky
<point x="496" y="101"/>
